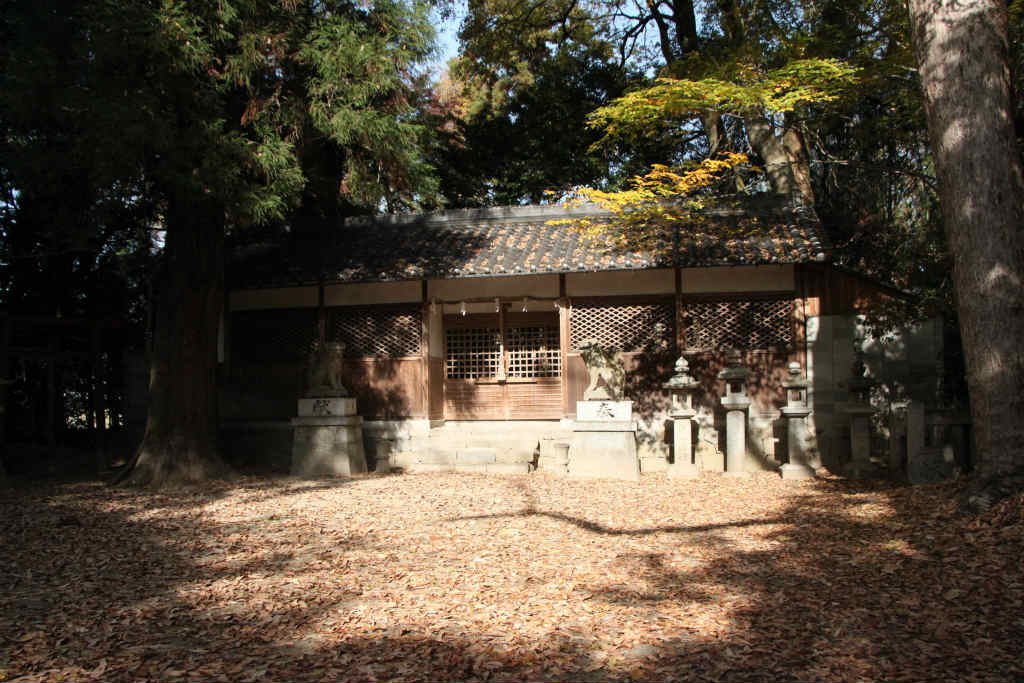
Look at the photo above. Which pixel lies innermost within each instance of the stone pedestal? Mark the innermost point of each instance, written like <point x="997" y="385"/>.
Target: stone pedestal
<point x="860" y="438"/>
<point x="795" y="411"/>
<point x="680" y="388"/>
<point x="736" y="436"/>
<point x="860" y="411"/>
<point x="708" y="454"/>
<point x="796" y="435"/>
<point x="684" y="466"/>
<point x="328" y="438"/>
<point x="621" y="411"/>
<point x="604" y="448"/>
<point x="736" y="402"/>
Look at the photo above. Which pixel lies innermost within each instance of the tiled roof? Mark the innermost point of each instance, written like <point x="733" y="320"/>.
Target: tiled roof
<point x="519" y="240"/>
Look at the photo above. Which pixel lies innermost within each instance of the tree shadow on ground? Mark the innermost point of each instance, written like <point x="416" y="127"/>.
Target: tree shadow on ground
<point x="852" y="582"/>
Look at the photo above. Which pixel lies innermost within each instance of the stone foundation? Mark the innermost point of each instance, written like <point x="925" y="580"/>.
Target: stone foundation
<point x="327" y="438"/>
<point x="604" y="449"/>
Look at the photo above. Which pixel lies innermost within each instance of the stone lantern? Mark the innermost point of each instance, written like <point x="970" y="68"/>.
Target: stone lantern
<point x="860" y="410"/>
<point x="795" y="411"/>
<point x="680" y="388"/>
<point x="736" y="402"/>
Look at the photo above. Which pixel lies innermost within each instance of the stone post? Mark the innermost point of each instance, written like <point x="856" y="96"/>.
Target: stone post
<point x="860" y="410"/>
<point x="736" y="402"/>
<point x="795" y="411"/>
<point x="680" y="388"/>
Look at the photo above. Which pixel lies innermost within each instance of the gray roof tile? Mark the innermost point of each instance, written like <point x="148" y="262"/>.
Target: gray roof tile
<point x="515" y="240"/>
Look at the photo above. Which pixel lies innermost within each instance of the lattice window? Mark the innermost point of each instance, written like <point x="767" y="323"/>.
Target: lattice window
<point x="274" y="335"/>
<point x="760" y="324"/>
<point x="625" y="327"/>
<point x="533" y="352"/>
<point x="391" y="332"/>
<point x="472" y="352"/>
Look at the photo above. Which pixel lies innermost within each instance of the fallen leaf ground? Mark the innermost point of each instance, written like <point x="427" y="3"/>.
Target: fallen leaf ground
<point x="518" y="578"/>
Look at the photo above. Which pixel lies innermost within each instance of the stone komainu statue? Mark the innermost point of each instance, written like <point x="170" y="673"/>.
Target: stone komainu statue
<point x="607" y="372"/>
<point x="323" y="373"/>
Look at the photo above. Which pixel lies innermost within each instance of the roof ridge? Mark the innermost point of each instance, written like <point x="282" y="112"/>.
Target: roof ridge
<point x="492" y="214"/>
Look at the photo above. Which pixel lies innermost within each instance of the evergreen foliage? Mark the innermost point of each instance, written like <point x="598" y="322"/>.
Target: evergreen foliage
<point x="198" y="119"/>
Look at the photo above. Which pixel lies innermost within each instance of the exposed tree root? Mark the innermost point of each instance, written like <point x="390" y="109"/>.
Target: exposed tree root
<point x="167" y="466"/>
<point x="985" y="493"/>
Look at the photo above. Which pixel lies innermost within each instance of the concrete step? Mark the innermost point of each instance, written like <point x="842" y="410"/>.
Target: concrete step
<point x="471" y="468"/>
<point x="437" y="457"/>
<point x="508" y="468"/>
<point x="422" y="467"/>
<point x="404" y="459"/>
<point x="476" y="455"/>
<point x="551" y="464"/>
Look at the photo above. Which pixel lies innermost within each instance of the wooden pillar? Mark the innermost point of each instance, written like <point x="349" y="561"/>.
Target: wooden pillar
<point x="50" y="424"/>
<point x="99" y="393"/>
<point x="225" y="335"/>
<point x="564" y="344"/>
<point x="680" y="339"/>
<point x="425" y="389"/>
<point x="433" y="340"/>
<point x="798" y="318"/>
<point x="321" y="316"/>
<point x="5" y="380"/>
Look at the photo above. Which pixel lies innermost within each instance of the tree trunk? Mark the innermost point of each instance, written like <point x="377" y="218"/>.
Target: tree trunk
<point x="715" y="130"/>
<point x="799" y="164"/>
<point x="962" y="54"/>
<point x="180" y="442"/>
<point x="768" y="145"/>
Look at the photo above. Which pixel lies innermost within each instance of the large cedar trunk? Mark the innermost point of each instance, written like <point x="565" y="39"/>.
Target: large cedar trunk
<point x="180" y="442"/>
<point x="962" y="53"/>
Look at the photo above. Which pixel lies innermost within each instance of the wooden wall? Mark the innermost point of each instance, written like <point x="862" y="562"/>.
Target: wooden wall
<point x="387" y="388"/>
<point x="538" y="399"/>
<point x="830" y="291"/>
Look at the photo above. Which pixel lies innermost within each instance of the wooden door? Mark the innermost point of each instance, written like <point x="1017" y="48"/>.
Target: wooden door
<point x="503" y="366"/>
